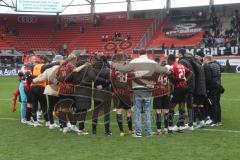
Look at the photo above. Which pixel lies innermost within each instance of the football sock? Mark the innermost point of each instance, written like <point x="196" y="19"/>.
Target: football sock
<point x="120" y="123"/>
<point x="107" y="122"/>
<point x="158" y="120"/>
<point x="201" y="113"/>
<point x="94" y="125"/>
<point x="81" y="125"/>
<point x="195" y="114"/>
<point x="28" y="114"/>
<point x="190" y="116"/>
<point x="166" y="120"/>
<point x="83" y="114"/>
<point x="181" y="118"/>
<point x="129" y="122"/>
<point x="170" y="117"/>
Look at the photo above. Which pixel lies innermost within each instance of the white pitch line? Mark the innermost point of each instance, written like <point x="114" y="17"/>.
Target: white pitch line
<point x="230" y="99"/>
<point x="10" y="119"/>
<point x="7" y="99"/>
<point x="221" y="130"/>
<point x="212" y="130"/>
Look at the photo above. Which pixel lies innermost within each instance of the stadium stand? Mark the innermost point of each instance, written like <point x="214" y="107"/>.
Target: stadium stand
<point x="65" y="36"/>
<point x="44" y="36"/>
<point x="38" y="32"/>
<point x="4" y="45"/>
<point x="91" y="38"/>
<point x="36" y="37"/>
<point x="174" y="29"/>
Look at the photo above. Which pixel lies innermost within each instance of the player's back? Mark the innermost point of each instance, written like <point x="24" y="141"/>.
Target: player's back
<point x="179" y="71"/>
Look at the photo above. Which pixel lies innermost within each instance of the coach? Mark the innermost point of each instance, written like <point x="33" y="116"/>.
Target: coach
<point x="214" y="87"/>
<point x="142" y="66"/>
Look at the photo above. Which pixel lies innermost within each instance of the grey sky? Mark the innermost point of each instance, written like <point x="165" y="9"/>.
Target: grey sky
<point x="153" y="4"/>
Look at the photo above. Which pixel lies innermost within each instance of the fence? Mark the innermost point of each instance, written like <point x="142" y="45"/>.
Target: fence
<point x="150" y="32"/>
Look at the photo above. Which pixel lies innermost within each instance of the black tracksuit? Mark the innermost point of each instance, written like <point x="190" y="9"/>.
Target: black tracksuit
<point x="82" y="78"/>
<point x="103" y="79"/>
<point x="213" y="85"/>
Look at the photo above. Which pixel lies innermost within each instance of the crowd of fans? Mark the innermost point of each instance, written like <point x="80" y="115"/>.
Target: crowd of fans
<point x="215" y="36"/>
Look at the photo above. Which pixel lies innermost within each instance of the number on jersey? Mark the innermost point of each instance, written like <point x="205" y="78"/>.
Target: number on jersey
<point x="122" y="77"/>
<point x="181" y="72"/>
<point x="163" y="80"/>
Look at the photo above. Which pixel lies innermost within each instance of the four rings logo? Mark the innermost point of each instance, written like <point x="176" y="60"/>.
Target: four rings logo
<point x="27" y="19"/>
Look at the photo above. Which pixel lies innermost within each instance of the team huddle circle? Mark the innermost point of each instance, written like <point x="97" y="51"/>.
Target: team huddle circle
<point x="82" y="88"/>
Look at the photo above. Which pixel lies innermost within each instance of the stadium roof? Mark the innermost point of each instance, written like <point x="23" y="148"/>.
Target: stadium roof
<point x="82" y="6"/>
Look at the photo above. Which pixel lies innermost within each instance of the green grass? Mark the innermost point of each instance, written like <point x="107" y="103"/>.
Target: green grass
<point x="20" y="142"/>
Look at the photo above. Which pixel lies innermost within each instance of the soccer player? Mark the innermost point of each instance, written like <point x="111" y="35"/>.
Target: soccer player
<point x="82" y="104"/>
<point x="179" y="92"/>
<point x="121" y="87"/>
<point x="161" y="99"/>
<point x="25" y="77"/>
<point x="186" y="59"/>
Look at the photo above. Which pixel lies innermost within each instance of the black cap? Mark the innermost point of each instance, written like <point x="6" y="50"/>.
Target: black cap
<point x="200" y="53"/>
<point x="182" y="51"/>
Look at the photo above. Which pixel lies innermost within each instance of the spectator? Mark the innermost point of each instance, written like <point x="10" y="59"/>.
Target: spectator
<point x="96" y="20"/>
<point x="65" y="25"/>
<point x="82" y="29"/>
<point x="128" y="37"/>
<point x="106" y="37"/>
<point x="117" y="36"/>
<point x="64" y="48"/>
<point x="103" y="38"/>
<point x="163" y="46"/>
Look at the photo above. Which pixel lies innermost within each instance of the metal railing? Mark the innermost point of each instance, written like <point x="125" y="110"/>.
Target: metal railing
<point x="152" y="29"/>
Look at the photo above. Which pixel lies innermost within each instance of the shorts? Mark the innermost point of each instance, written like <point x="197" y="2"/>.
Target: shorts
<point x="178" y="95"/>
<point x="161" y="102"/>
<point x="199" y="100"/>
<point x="123" y="105"/>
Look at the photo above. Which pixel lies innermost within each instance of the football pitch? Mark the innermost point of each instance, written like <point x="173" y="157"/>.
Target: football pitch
<point x="22" y="142"/>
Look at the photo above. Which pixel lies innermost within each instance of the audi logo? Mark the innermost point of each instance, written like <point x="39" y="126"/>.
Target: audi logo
<point x="27" y="19"/>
